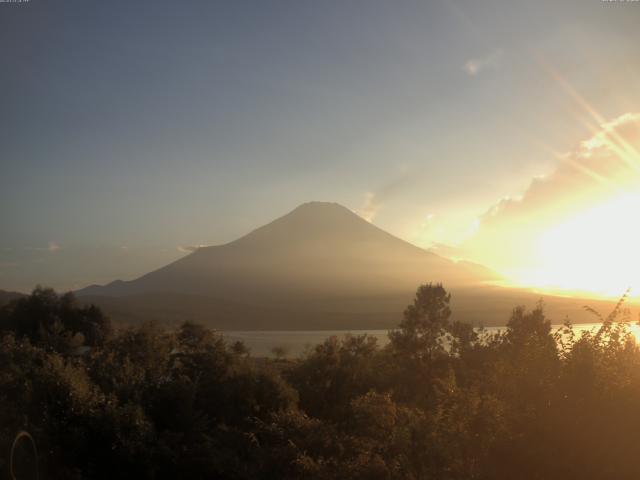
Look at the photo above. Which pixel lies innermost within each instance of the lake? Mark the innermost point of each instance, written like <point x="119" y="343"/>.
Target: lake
<point x="296" y="342"/>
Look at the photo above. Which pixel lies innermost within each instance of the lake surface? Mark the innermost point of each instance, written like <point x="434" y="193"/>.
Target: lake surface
<point x="296" y="342"/>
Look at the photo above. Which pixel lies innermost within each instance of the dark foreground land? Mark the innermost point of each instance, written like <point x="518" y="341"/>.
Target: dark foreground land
<point x="440" y="401"/>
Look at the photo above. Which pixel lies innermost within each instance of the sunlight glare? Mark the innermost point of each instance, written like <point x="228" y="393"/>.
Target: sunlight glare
<point x="595" y="251"/>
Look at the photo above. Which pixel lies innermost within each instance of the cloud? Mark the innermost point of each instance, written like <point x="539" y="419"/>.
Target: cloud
<point x="374" y="200"/>
<point x="189" y="248"/>
<point x="474" y="66"/>
<point x="603" y="167"/>
<point x="370" y="208"/>
<point x="51" y="247"/>
<point x="605" y="164"/>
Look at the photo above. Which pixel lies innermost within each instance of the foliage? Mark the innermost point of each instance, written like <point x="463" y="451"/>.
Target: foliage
<point x="55" y="322"/>
<point x="441" y="400"/>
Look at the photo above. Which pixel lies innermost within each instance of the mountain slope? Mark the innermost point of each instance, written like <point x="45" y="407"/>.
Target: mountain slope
<point x="316" y="251"/>
<point x="318" y="267"/>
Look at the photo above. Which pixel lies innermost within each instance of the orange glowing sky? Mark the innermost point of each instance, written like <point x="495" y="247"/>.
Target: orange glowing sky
<point x="573" y="230"/>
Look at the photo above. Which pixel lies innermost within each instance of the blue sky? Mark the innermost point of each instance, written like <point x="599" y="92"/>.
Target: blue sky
<point x="129" y="130"/>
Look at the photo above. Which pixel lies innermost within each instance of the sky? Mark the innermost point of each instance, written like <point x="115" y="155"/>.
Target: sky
<point x="132" y="131"/>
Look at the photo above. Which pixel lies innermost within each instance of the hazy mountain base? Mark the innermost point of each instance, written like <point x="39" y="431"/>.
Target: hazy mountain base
<point x="487" y="306"/>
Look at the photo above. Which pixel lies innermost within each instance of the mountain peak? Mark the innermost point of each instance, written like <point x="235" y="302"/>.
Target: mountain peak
<point x="320" y="206"/>
<point x="313" y="221"/>
<point x="321" y="209"/>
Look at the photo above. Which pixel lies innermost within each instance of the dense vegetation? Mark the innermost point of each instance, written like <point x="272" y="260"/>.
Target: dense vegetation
<point x="441" y="401"/>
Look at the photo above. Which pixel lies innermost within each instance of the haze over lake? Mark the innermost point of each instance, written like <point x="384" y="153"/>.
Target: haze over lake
<point x="296" y="343"/>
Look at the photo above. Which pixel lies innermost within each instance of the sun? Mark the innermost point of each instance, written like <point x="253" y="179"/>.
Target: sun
<point x="596" y="250"/>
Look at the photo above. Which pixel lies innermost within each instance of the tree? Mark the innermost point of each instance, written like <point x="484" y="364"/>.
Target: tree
<point x="426" y="321"/>
<point x="280" y="351"/>
<point x="55" y="321"/>
<point x="240" y="348"/>
<point x="339" y="369"/>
